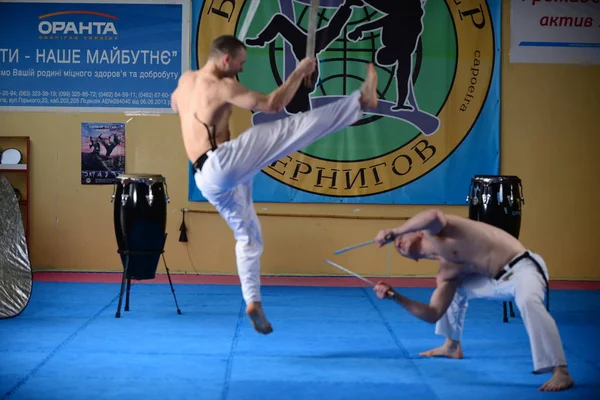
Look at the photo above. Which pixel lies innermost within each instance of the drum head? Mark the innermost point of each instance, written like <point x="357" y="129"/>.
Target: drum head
<point x="495" y="178"/>
<point x="141" y="177"/>
<point x="10" y="156"/>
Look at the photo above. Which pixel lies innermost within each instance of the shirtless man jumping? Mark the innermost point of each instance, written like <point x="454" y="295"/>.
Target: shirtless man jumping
<point x="225" y="168"/>
<point x="478" y="260"/>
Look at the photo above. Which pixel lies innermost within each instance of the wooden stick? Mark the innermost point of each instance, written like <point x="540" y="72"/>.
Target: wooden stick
<point x="290" y="215"/>
<point x="389" y="293"/>
<point x="311" y="35"/>
<point x="248" y="20"/>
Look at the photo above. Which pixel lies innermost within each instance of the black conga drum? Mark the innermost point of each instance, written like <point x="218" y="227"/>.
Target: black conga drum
<point x="497" y="200"/>
<point x="140" y="217"/>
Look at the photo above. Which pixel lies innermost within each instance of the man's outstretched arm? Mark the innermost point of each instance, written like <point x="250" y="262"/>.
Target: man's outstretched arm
<point x="431" y="221"/>
<point x="240" y="96"/>
<point x="438" y="304"/>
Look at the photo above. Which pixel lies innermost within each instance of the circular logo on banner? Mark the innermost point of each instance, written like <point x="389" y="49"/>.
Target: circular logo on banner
<point x="435" y="63"/>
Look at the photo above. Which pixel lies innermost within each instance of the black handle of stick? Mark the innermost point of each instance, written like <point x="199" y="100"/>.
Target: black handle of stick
<point x="390" y="237"/>
<point x="308" y="81"/>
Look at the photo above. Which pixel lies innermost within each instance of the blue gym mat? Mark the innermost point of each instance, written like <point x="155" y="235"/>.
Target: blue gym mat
<point x="328" y="343"/>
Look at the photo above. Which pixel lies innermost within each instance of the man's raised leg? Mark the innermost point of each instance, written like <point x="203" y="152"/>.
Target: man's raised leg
<point x="263" y="144"/>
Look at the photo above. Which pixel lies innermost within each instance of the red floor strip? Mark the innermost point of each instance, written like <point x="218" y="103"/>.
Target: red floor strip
<point x="183" y="279"/>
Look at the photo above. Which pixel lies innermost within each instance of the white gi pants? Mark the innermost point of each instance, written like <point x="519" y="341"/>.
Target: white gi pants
<point x="226" y="176"/>
<point x="528" y="289"/>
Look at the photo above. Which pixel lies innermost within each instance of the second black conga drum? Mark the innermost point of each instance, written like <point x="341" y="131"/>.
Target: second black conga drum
<point x="140" y="217"/>
<point x="497" y="200"/>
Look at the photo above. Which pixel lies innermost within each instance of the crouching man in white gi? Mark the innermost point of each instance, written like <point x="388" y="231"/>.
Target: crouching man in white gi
<point x="225" y="168"/>
<point x="478" y="260"/>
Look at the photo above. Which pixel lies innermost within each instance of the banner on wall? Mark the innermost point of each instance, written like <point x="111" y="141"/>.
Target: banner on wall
<point x="92" y="55"/>
<point x="437" y="121"/>
<point x="102" y="152"/>
<point x="566" y="32"/>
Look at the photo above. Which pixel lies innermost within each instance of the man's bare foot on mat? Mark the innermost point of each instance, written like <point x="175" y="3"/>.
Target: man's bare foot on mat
<point x="258" y="318"/>
<point x="450" y="349"/>
<point x="368" y="90"/>
<point x="561" y="380"/>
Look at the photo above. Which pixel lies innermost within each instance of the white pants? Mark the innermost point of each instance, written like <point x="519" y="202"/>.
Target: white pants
<point x="226" y="177"/>
<point x="527" y="287"/>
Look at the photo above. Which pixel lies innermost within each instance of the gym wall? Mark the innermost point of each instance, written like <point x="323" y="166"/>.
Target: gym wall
<point x="549" y="138"/>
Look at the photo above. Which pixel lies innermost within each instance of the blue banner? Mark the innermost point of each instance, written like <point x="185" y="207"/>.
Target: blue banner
<point x="437" y="123"/>
<point x="107" y="56"/>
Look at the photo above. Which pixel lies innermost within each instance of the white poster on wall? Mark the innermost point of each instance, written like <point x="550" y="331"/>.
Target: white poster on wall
<point x="555" y="31"/>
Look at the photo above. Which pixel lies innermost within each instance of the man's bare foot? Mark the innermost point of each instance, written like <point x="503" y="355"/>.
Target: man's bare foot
<point x="450" y="349"/>
<point x="258" y="318"/>
<point x="368" y="90"/>
<point x="561" y="380"/>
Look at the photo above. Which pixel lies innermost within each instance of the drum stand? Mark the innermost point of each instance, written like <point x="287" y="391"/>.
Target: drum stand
<point x="512" y="312"/>
<point x="510" y="304"/>
<point x="128" y="279"/>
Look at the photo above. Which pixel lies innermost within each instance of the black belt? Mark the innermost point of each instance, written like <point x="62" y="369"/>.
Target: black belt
<point x="514" y="262"/>
<point x="200" y="161"/>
